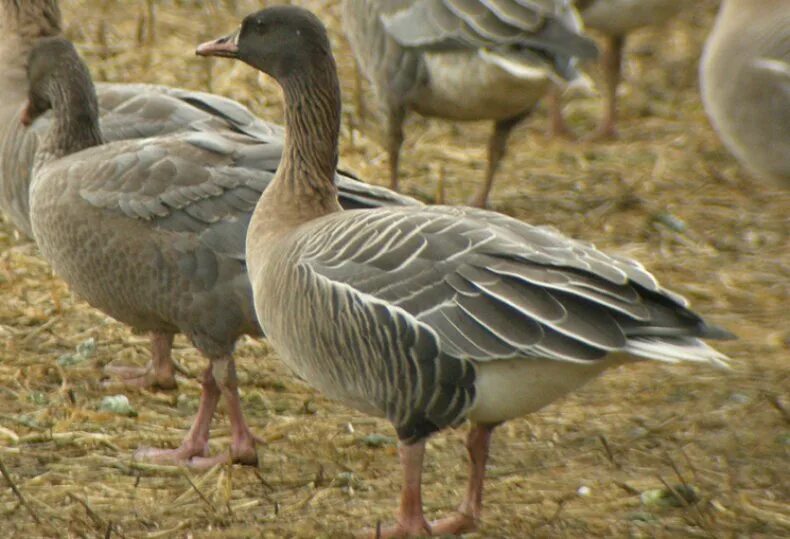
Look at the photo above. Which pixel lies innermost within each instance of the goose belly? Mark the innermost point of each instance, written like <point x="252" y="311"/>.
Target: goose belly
<point x="464" y="86"/>
<point x="618" y="17"/>
<point x="506" y="389"/>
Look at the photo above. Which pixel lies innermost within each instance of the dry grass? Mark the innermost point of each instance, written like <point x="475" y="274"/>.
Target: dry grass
<point x="666" y="193"/>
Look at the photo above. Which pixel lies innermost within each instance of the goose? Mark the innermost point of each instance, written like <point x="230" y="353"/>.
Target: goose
<point x="464" y="61"/>
<point x="150" y="231"/>
<point x="434" y="315"/>
<point x="745" y="83"/>
<point x="615" y="19"/>
<point x="127" y="111"/>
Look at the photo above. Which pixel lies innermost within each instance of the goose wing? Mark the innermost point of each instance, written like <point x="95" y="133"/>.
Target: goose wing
<point x="550" y="26"/>
<point x="492" y="287"/>
<point x="422" y="294"/>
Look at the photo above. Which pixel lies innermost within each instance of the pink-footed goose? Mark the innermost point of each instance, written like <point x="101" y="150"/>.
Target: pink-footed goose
<point x="127" y="111"/>
<point x="151" y="231"/>
<point x="434" y="315"/>
<point x="465" y="61"/>
<point x="745" y="83"/>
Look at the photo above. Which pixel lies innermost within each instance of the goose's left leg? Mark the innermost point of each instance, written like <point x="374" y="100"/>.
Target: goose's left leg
<point x="497" y="146"/>
<point x="468" y="514"/>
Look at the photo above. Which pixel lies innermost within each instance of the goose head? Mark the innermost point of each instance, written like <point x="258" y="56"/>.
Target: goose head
<point x="281" y="41"/>
<point x="59" y="80"/>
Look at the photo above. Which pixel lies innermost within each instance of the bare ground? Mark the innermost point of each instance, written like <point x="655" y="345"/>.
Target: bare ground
<point x="666" y="192"/>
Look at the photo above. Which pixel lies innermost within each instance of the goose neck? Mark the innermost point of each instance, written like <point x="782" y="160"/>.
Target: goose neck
<point x="305" y="177"/>
<point x="75" y="122"/>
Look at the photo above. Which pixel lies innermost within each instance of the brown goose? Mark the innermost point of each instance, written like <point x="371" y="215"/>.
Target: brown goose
<point x="745" y="82"/>
<point x="127" y="111"/>
<point x="463" y="60"/>
<point x="433" y="315"/>
<point x="150" y="231"/>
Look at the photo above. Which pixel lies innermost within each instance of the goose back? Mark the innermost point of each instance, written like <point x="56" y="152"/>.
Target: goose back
<point x="464" y="60"/>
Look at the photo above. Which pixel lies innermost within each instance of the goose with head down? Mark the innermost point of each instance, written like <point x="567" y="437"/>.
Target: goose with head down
<point x="434" y="315"/>
<point x="464" y="60"/>
<point x="126" y="111"/>
<point x="615" y="19"/>
<point x="151" y="231"/>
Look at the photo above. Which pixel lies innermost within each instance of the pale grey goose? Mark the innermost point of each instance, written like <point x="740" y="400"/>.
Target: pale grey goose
<point x="127" y="111"/>
<point x="429" y="315"/>
<point x="615" y="19"/>
<point x="151" y="231"/>
<point x="463" y="60"/>
<point x="745" y="82"/>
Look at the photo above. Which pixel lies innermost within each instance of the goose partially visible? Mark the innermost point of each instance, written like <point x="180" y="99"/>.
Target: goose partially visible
<point x="127" y="111"/>
<point x="151" y="231"/>
<point x="464" y="61"/>
<point x="615" y="19"/>
<point x="429" y="316"/>
<point x="745" y="83"/>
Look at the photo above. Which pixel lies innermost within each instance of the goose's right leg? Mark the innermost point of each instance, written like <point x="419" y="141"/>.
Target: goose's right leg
<point x="468" y="514"/>
<point x="411" y="521"/>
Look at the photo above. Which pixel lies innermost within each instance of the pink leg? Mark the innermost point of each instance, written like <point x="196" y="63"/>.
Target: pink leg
<point x="242" y="445"/>
<point x="160" y="371"/>
<point x="497" y="145"/>
<point x="195" y="443"/>
<point x="557" y="125"/>
<point x="219" y="379"/>
<point x="611" y="64"/>
<point x="468" y="514"/>
<point x="411" y="521"/>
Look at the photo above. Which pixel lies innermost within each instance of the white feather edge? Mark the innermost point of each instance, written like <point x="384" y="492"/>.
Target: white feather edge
<point x="684" y="349"/>
<point x="521" y="70"/>
<point x="582" y="85"/>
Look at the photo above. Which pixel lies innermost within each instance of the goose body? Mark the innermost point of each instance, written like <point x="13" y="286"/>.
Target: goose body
<point x="463" y="61"/>
<point x="429" y="316"/>
<point x="434" y="315"/>
<point x="151" y="230"/>
<point x="130" y="112"/>
<point x="745" y="83"/>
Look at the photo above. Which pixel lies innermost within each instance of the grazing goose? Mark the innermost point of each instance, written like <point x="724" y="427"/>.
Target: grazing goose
<point x="127" y="111"/>
<point x="465" y="60"/>
<point x="745" y="80"/>
<point x="151" y="231"/>
<point x="429" y="315"/>
<point x="615" y="19"/>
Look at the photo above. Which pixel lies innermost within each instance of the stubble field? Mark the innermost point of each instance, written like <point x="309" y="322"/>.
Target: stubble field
<point x="666" y="192"/>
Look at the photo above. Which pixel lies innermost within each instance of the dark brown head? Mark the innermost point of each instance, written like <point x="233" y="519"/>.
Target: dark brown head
<point x="281" y="41"/>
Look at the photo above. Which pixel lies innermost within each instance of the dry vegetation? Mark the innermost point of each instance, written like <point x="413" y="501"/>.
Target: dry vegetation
<point x="666" y="192"/>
